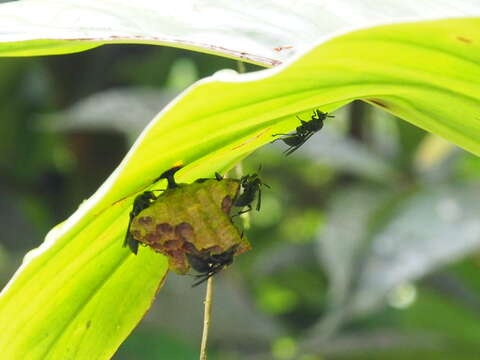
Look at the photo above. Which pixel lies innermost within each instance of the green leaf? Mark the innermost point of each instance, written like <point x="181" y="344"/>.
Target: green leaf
<point x="88" y="291"/>
<point x="417" y="240"/>
<point x="132" y="108"/>
<point x="266" y="32"/>
<point x="343" y="241"/>
<point x="366" y="261"/>
<point x="81" y="293"/>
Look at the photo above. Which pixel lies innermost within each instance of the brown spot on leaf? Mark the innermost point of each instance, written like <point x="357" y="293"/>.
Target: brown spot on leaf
<point x="145" y="220"/>
<point x="89" y="322"/>
<point x="464" y="39"/>
<point x="157" y="247"/>
<point x="184" y="230"/>
<point x="164" y="228"/>
<point x="378" y="102"/>
<point x="284" y="47"/>
<point x="136" y="234"/>
<point x="152" y="238"/>
<point x="173" y="244"/>
<point x="176" y="260"/>
<point x="227" y="204"/>
<point x="84" y="39"/>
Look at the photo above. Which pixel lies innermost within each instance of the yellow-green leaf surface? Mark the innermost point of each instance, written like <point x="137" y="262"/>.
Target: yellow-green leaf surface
<point x="81" y="293"/>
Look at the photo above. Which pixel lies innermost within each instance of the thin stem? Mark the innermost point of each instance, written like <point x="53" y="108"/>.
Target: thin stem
<point x="239" y="170"/>
<point x="241" y="67"/>
<point x="245" y="216"/>
<point x="206" y="319"/>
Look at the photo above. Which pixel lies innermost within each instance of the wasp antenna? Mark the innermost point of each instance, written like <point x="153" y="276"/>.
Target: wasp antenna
<point x="199" y="282"/>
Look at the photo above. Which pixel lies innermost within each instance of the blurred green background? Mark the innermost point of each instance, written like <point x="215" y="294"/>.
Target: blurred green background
<point x="366" y="246"/>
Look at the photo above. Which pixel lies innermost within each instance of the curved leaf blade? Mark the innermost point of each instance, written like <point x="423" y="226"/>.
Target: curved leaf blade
<point x="426" y="73"/>
<point x="85" y="288"/>
<point x="264" y="32"/>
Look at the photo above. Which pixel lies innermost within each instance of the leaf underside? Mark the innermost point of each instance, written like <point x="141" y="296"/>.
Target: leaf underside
<point x="80" y="294"/>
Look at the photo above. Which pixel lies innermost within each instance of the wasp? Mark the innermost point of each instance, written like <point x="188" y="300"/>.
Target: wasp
<point x="175" y="222"/>
<point x="251" y="184"/>
<point x="218" y="177"/>
<point x="208" y="264"/>
<point x="304" y="131"/>
<point x="140" y="203"/>
<point x="169" y="175"/>
<point x="144" y="201"/>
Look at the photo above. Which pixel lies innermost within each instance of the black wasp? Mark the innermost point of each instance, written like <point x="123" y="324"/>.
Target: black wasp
<point x="143" y="201"/>
<point x="251" y="184"/>
<point x="304" y="131"/>
<point x="140" y="203"/>
<point x="208" y="264"/>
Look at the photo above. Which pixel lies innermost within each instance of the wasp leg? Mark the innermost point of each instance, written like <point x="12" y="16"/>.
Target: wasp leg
<point x="203" y="279"/>
<point x="217" y="177"/>
<point x="304" y="140"/>
<point x="291" y="149"/>
<point x="244" y="211"/>
<point x="280" y="138"/>
<point x="169" y="175"/>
